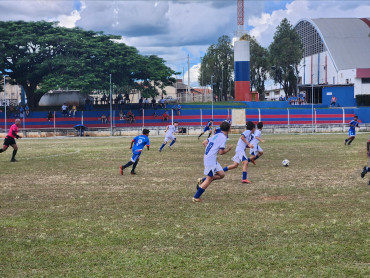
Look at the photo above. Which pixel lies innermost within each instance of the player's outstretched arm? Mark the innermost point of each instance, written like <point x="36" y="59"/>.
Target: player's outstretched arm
<point x="221" y="152"/>
<point x="259" y="139"/>
<point x="132" y="143"/>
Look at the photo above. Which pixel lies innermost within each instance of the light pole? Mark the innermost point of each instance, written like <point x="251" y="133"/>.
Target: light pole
<point x="312" y="99"/>
<point x="212" y="94"/>
<point x="110" y="104"/>
<point x="5" y="103"/>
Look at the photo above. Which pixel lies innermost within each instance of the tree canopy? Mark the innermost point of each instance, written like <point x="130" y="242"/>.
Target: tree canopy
<point x="42" y="56"/>
<point x="286" y="51"/>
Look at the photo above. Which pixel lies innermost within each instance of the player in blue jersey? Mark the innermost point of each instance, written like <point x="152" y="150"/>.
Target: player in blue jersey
<point x="240" y="156"/>
<point x="137" y="145"/>
<point x="212" y="169"/>
<point x="218" y="130"/>
<point x="352" y="131"/>
<point x="207" y="128"/>
<point x="367" y="168"/>
<point x="170" y="130"/>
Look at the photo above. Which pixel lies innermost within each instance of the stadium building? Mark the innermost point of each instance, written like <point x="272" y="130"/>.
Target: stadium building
<point x="336" y="59"/>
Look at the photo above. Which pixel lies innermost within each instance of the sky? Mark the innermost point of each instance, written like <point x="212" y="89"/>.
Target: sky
<point x="174" y="29"/>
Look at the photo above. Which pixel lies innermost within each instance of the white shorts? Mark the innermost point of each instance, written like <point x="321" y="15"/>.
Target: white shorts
<point x="169" y="138"/>
<point x="212" y="170"/>
<point x="257" y="149"/>
<point x="239" y="157"/>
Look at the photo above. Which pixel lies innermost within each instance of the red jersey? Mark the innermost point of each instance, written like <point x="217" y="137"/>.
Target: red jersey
<point x="13" y="129"/>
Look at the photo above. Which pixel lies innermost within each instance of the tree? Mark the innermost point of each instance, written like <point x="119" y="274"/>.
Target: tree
<point x="41" y="56"/>
<point x="219" y="63"/>
<point x="286" y="51"/>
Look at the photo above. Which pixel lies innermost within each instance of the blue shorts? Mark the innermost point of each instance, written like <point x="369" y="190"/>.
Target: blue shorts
<point x="352" y="132"/>
<point x="135" y="156"/>
<point x="206" y="128"/>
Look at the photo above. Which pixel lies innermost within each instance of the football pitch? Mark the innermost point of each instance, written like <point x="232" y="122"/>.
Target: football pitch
<point x="67" y="212"/>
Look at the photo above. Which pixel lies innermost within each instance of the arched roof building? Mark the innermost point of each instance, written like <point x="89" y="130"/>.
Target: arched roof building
<point x="336" y="58"/>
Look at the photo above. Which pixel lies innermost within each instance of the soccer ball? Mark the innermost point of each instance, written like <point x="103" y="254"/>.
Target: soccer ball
<point x="285" y="162"/>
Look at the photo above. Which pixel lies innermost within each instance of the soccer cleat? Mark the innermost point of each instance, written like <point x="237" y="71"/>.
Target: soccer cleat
<point x="345" y="141"/>
<point x="133" y="173"/>
<point x="196" y="200"/>
<point x="364" y="171"/>
<point x="246" y="181"/>
<point x="13" y="160"/>
<point x="160" y="150"/>
<point x="121" y="169"/>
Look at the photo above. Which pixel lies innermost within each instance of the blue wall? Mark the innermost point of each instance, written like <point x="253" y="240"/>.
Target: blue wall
<point x="345" y="96"/>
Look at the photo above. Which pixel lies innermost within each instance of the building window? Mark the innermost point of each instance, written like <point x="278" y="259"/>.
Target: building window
<point x="365" y="80"/>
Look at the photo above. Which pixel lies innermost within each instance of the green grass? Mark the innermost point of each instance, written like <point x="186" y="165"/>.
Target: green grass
<point x="74" y="215"/>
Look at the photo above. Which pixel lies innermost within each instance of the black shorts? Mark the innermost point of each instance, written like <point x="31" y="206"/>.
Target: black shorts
<point x="9" y="141"/>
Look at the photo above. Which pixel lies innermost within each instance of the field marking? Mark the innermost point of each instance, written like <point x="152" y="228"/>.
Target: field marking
<point x="54" y="155"/>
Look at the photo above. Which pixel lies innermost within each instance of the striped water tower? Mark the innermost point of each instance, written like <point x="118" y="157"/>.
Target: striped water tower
<point x="241" y="70"/>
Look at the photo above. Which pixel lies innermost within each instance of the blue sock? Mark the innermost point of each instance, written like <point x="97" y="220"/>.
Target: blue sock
<point x="128" y="164"/>
<point x="226" y="169"/>
<point x="162" y="147"/>
<point x="244" y="175"/>
<point x="199" y="192"/>
<point x="173" y="142"/>
<point x="257" y="156"/>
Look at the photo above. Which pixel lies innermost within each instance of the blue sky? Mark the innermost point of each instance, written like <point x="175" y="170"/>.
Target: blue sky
<point x="174" y="29"/>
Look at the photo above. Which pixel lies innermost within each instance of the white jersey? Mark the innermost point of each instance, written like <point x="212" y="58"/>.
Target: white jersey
<point x="215" y="143"/>
<point x="255" y="142"/>
<point x="171" y="130"/>
<point x="240" y="147"/>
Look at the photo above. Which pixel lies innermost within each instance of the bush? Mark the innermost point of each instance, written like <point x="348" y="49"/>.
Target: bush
<point x="363" y="100"/>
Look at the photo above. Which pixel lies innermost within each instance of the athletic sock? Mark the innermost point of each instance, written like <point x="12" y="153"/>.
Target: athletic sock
<point x="226" y="169"/>
<point x="257" y="156"/>
<point x="350" y="141"/>
<point x="127" y="164"/>
<point x="14" y="153"/>
<point x="244" y="175"/>
<point x="199" y="193"/>
<point x="162" y="147"/>
<point x="134" y="166"/>
<point x="173" y="142"/>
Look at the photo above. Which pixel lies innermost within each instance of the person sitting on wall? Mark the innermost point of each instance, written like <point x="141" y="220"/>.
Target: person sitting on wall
<point x="130" y="117"/>
<point x="333" y="101"/>
<point x="165" y="117"/>
<point x="103" y="99"/>
<point x="154" y="103"/>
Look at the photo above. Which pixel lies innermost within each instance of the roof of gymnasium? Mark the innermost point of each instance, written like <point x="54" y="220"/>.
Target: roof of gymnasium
<point x="346" y="39"/>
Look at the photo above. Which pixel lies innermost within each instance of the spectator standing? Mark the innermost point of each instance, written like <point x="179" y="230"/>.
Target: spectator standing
<point x="49" y="116"/>
<point x="64" y="109"/>
<point x="154" y="103"/>
<point x="121" y="115"/>
<point x="73" y="110"/>
<point x="27" y="109"/>
<point x="103" y="119"/>
<point x="333" y="101"/>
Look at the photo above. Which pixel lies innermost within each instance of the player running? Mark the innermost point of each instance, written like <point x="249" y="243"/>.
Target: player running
<point x="212" y="169"/>
<point x="352" y="131"/>
<point x="10" y="139"/>
<point x="208" y="127"/>
<point x="256" y="151"/>
<point x="218" y="130"/>
<point x="367" y="168"/>
<point x="137" y="145"/>
<point x="170" y="130"/>
<point x="240" y="156"/>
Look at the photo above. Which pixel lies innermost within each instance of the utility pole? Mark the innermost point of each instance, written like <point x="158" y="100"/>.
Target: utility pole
<point x="188" y="77"/>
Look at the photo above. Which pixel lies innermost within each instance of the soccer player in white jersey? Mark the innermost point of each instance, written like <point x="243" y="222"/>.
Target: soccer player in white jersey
<point x="170" y="130"/>
<point x="240" y="156"/>
<point x="367" y="168"/>
<point x="212" y="169"/>
<point x="256" y="151"/>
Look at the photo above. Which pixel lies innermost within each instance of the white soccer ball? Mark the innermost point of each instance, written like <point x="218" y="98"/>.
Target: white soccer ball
<point x="285" y="162"/>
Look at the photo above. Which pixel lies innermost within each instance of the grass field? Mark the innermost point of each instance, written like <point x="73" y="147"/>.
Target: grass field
<point x="67" y="212"/>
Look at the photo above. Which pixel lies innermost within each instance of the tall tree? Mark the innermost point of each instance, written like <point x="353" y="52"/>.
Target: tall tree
<point x="286" y="51"/>
<point x="219" y="63"/>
